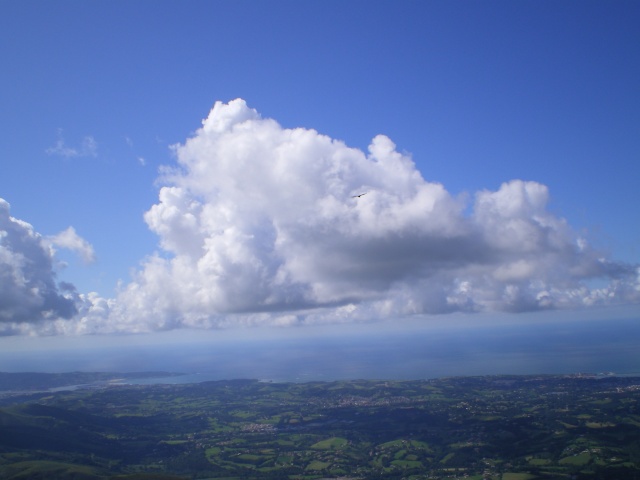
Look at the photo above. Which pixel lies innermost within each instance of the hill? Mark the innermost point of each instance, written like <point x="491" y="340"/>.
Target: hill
<point x="478" y="427"/>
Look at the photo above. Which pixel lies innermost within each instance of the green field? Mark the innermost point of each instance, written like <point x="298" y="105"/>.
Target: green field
<point x="492" y="428"/>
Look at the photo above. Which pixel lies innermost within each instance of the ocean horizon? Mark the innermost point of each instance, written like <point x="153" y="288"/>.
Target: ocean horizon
<point x="393" y="354"/>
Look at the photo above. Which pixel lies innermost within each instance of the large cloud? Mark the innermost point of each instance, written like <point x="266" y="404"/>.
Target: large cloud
<point x="260" y="224"/>
<point x="29" y="291"/>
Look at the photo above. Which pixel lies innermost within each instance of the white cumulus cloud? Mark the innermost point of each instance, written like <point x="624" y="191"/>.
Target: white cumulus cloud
<point x="259" y="224"/>
<point x="29" y="290"/>
<point x="264" y="225"/>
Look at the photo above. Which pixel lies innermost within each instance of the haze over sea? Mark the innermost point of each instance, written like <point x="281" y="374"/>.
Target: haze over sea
<point x="454" y="347"/>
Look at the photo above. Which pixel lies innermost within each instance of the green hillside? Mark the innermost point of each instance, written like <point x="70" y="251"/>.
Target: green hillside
<point x="516" y="428"/>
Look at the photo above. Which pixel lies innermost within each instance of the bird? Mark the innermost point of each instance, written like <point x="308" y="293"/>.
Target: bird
<point x="360" y="195"/>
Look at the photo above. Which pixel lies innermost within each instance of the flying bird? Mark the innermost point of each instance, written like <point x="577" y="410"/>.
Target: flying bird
<point x="358" y="196"/>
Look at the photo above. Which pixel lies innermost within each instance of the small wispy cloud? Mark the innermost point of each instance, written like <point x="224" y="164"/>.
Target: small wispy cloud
<point x="69" y="239"/>
<point x="88" y="148"/>
<point x="141" y="160"/>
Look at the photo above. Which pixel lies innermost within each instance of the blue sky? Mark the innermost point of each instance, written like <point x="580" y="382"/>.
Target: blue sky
<point x="505" y="179"/>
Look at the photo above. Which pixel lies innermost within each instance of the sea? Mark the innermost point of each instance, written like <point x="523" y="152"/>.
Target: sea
<point x="446" y="350"/>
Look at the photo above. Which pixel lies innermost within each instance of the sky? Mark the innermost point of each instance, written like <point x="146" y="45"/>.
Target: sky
<point x="193" y="165"/>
